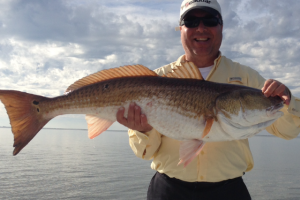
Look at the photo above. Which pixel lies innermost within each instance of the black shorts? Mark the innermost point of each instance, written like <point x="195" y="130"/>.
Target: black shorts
<point x="163" y="187"/>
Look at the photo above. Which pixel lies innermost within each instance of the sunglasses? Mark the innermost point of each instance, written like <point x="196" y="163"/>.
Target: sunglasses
<point x="195" y="21"/>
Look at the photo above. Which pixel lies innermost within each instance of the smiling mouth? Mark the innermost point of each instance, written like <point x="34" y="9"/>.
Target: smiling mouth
<point x="201" y="39"/>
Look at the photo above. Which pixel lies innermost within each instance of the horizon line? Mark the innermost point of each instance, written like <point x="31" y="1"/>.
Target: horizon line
<point x="66" y="128"/>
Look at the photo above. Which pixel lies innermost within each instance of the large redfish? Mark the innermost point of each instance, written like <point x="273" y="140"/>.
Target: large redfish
<point x="187" y="109"/>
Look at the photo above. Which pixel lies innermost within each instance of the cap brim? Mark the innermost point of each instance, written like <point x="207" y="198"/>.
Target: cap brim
<point x="204" y="8"/>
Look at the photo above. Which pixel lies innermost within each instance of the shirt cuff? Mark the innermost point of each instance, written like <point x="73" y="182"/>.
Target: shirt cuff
<point x="294" y="107"/>
<point x="143" y="138"/>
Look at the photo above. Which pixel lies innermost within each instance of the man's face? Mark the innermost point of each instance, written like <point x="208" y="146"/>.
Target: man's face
<point x="201" y="41"/>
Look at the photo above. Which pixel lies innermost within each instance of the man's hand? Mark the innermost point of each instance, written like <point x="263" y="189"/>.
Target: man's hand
<point x="275" y="88"/>
<point x="135" y="120"/>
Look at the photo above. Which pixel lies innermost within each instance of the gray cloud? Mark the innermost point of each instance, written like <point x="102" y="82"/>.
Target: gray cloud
<point x="98" y="29"/>
<point x="63" y="41"/>
<point x="5" y="51"/>
<point x="264" y="35"/>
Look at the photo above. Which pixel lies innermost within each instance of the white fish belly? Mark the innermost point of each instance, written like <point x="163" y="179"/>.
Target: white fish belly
<point x="168" y="121"/>
<point x="165" y="119"/>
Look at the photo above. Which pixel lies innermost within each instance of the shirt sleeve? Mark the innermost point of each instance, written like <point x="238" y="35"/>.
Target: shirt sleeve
<point x="287" y="126"/>
<point x="144" y="145"/>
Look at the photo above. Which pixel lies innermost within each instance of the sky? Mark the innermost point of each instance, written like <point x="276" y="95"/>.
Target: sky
<point x="45" y="45"/>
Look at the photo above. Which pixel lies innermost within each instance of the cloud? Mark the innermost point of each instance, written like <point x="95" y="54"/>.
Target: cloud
<point x="50" y="38"/>
<point x="265" y="36"/>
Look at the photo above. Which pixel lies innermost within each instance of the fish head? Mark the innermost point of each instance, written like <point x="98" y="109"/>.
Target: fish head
<point x="256" y="107"/>
<point x="247" y="111"/>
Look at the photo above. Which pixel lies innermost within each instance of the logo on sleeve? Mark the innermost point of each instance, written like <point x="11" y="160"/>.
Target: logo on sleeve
<point x="235" y="79"/>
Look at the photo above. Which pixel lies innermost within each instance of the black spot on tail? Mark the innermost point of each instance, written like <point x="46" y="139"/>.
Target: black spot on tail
<point x="35" y="102"/>
<point x="38" y="110"/>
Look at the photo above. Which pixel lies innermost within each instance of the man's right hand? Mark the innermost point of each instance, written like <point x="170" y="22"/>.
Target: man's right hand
<point x="135" y="120"/>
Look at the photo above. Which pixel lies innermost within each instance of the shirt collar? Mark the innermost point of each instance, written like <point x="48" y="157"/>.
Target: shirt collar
<point x="182" y="59"/>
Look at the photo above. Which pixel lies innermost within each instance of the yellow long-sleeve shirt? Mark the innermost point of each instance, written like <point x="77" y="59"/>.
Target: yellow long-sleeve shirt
<point x="217" y="161"/>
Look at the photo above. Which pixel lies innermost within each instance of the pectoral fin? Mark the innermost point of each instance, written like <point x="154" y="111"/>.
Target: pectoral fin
<point x="96" y="125"/>
<point x="208" y="125"/>
<point x="189" y="149"/>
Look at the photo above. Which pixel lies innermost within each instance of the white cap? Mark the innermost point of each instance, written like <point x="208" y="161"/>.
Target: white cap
<point x="211" y="6"/>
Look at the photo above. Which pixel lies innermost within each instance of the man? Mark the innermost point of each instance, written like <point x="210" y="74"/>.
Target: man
<point x="216" y="172"/>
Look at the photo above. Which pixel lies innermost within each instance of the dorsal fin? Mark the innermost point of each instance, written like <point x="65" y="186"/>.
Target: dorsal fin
<point x="125" y="71"/>
<point x="187" y="70"/>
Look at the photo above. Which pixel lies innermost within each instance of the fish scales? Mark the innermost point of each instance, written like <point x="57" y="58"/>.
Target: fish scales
<point x="169" y="97"/>
<point x="184" y="96"/>
<point x="178" y="94"/>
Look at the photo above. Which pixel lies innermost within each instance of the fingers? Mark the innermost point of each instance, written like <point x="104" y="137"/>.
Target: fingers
<point x="120" y="116"/>
<point x="135" y="120"/>
<point x="286" y="99"/>
<point x="144" y="120"/>
<point x="270" y="87"/>
<point x="266" y="85"/>
<point x="131" y="116"/>
<point x="275" y="88"/>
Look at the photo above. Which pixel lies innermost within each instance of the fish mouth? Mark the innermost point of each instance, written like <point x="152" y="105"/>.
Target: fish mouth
<point x="274" y="109"/>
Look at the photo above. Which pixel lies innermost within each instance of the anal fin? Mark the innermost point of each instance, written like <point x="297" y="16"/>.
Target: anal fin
<point x="189" y="149"/>
<point x="96" y="125"/>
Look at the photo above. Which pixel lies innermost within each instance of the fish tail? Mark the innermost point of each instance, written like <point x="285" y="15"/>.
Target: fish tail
<point x="25" y="116"/>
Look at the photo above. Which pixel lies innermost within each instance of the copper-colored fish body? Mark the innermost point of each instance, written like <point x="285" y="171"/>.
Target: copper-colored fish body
<point x="184" y="109"/>
<point x="184" y="94"/>
<point x="190" y="98"/>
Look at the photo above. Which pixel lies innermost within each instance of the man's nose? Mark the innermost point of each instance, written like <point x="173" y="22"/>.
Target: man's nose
<point x="201" y="27"/>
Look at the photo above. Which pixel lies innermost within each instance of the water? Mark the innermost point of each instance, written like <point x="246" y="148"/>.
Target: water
<point x="276" y="173"/>
<point x="65" y="164"/>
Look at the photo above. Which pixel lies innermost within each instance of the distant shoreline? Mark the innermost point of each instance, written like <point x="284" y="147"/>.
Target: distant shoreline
<point x="260" y="135"/>
<point x="69" y="129"/>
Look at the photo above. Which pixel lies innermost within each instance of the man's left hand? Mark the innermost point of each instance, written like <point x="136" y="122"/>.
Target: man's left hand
<point x="275" y="88"/>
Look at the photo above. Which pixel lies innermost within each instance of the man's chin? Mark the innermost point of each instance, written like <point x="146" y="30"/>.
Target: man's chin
<point x="202" y="52"/>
